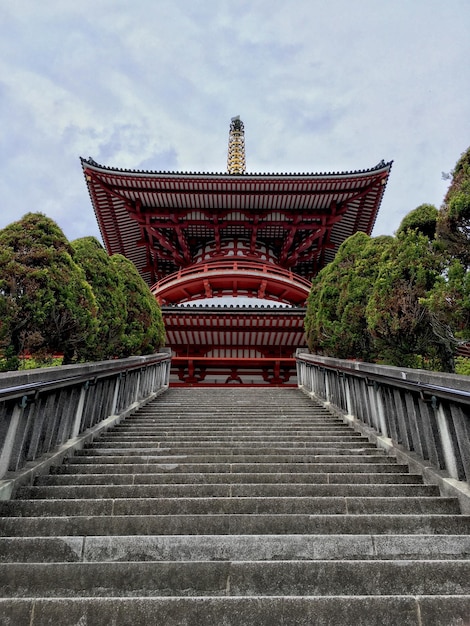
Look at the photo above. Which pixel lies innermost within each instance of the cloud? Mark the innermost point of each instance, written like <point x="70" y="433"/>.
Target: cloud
<point x="320" y="86"/>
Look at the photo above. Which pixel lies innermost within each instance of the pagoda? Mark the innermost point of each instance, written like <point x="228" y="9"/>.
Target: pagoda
<point x="205" y="241"/>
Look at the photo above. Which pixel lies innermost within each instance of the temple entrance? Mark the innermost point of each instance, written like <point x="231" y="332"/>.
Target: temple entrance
<point x="254" y="237"/>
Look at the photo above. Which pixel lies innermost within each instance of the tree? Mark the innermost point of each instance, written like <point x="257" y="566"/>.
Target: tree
<point x="372" y="303"/>
<point x="449" y="299"/>
<point x="48" y="304"/>
<point x="104" y="279"/>
<point x="144" y="331"/>
<point x="453" y="225"/>
<point x="405" y="331"/>
<point x="335" y="320"/>
<point x="422" y="219"/>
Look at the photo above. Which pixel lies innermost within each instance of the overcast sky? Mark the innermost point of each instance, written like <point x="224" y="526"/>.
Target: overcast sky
<point x="321" y="85"/>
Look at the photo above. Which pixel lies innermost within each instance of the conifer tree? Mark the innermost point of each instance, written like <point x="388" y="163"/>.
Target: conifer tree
<point x="49" y="307"/>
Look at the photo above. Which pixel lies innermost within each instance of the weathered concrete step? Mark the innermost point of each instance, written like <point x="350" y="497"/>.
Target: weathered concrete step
<point x="226" y="490"/>
<point x="238" y="505"/>
<point x="190" y="434"/>
<point x="211" y="427"/>
<point x="226" y="524"/>
<point x="242" y="416"/>
<point x="220" y="432"/>
<point x="263" y="414"/>
<point x="232" y="547"/>
<point x="243" y="397"/>
<point x="211" y="439"/>
<point x="103" y="457"/>
<point x="211" y="478"/>
<point x="241" y="611"/>
<point x="153" y="466"/>
<point x="246" y="396"/>
<point x="230" y="443"/>
<point x="236" y="578"/>
<point x="269" y="414"/>
<point x="304" y="420"/>
<point x="215" y="452"/>
<point x="236" y="418"/>
<point x="229" y="405"/>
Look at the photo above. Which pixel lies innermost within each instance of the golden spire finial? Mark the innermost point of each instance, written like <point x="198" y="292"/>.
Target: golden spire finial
<point x="236" y="147"/>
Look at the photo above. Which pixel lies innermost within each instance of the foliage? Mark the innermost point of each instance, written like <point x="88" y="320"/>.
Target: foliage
<point x="370" y="303"/>
<point x="108" y="289"/>
<point x="144" y="331"/>
<point x="453" y="226"/>
<point x="335" y="320"/>
<point x="449" y="299"/>
<point x="422" y="219"/>
<point x="48" y="305"/>
<point x="462" y="366"/>
<point x="405" y="331"/>
<point x="31" y="363"/>
<point x="405" y="300"/>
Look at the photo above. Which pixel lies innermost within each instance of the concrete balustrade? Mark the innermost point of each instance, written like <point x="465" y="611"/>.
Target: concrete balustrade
<point x="46" y="414"/>
<point x="424" y="413"/>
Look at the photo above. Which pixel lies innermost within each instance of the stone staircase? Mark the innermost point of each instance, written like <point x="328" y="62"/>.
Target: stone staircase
<point x="233" y="506"/>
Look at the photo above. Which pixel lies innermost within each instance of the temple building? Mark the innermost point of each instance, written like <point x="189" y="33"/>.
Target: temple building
<point x="204" y="241"/>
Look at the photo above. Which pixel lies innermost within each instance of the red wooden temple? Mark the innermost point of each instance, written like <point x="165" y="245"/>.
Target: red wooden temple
<point x="204" y="236"/>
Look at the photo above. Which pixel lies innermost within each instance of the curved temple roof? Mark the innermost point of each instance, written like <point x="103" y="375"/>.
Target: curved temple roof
<point x="159" y="220"/>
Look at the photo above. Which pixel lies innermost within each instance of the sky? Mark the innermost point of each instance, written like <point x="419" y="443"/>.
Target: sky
<point x="321" y="85"/>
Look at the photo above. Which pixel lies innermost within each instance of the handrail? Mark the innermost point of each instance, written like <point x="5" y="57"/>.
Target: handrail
<point x="261" y="268"/>
<point x="441" y="391"/>
<point x="425" y="413"/>
<point x="45" y="414"/>
<point x="18" y="391"/>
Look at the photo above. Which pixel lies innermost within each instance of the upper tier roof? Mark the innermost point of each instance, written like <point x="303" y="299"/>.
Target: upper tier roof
<point x="154" y="218"/>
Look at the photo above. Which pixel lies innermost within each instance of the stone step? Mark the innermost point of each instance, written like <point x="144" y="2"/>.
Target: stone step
<point x="153" y="465"/>
<point x="234" y="439"/>
<point x="236" y="578"/>
<point x="405" y="610"/>
<point x="270" y="414"/>
<point x="227" y="478"/>
<point x="232" y="547"/>
<point x="215" y="490"/>
<point x="213" y="452"/>
<point x="231" y="524"/>
<point x="231" y="505"/>
<point x="213" y="429"/>
<point x="83" y="456"/>
<point x="262" y="419"/>
<point x="220" y="432"/>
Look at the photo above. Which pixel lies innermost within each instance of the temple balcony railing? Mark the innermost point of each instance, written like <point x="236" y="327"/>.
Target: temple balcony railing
<point x="232" y="276"/>
<point x="412" y="414"/>
<point x="46" y="414"/>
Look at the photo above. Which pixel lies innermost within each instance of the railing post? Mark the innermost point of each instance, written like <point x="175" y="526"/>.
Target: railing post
<point x="167" y="366"/>
<point x="79" y="412"/>
<point x="117" y="386"/>
<point x="7" y="449"/>
<point x="446" y="440"/>
<point x="327" y="386"/>
<point x="381" y="412"/>
<point x="348" y="396"/>
<point x="137" y="387"/>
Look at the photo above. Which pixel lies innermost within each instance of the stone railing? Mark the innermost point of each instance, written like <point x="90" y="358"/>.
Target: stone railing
<point x="45" y="414"/>
<point x="425" y="413"/>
